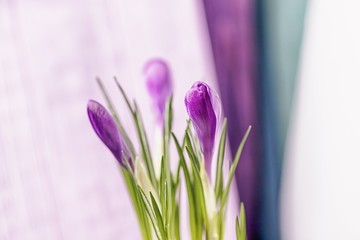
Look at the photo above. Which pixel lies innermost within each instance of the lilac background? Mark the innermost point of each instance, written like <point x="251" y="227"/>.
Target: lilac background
<point x="57" y="181"/>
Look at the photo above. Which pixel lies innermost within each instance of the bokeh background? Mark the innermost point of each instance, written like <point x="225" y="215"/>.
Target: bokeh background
<point x="289" y="68"/>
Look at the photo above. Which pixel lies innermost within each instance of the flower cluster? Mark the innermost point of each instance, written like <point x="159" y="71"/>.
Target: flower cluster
<point x="152" y="186"/>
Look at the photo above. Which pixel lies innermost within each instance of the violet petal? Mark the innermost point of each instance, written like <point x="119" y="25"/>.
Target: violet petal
<point x="106" y="129"/>
<point x="203" y="106"/>
<point x="158" y="81"/>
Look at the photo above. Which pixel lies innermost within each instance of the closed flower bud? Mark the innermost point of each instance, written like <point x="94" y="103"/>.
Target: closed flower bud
<point x="203" y="106"/>
<point x="158" y="81"/>
<point x="106" y="129"/>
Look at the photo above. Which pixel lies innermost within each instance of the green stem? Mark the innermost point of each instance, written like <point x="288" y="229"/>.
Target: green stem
<point x="140" y="211"/>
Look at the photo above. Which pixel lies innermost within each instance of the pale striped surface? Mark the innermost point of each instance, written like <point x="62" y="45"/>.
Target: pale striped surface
<point x="57" y="181"/>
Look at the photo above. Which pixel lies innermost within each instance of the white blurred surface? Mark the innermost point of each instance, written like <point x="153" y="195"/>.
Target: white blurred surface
<point x="321" y="192"/>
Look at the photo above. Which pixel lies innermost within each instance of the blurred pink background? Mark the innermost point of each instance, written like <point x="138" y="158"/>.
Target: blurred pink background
<point x="57" y="181"/>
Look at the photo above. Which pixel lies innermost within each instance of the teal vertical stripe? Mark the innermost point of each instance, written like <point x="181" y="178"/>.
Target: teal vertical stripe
<point x="288" y="23"/>
<point x="280" y="29"/>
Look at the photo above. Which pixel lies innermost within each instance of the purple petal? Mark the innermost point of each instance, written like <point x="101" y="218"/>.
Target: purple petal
<point x="158" y="81"/>
<point x="106" y="129"/>
<point x="203" y="106"/>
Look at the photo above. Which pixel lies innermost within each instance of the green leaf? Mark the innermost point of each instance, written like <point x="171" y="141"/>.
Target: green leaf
<point x="177" y="222"/>
<point x="137" y="203"/>
<point x="221" y="223"/>
<point x="168" y="119"/>
<point x="159" y="219"/>
<point x="116" y="118"/>
<point x="177" y="178"/>
<point x="163" y="191"/>
<point x="198" y="186"/>
<point x="145" y="149"/>
<point x="193" y="159"/>
<point x="124" y="95"/>
<point x="238" y="231"/>
<point x="225" y="194"/>
<point x="191" y="200"/>
<point x="220" y="161"/>
<point x="170" y="206"/>
<point x="151" y="214"/>
<point x="128" y="172"/>
<point x="191" y="150"/>
<point x="242" y="222"/>
<point x="193" y="141"/>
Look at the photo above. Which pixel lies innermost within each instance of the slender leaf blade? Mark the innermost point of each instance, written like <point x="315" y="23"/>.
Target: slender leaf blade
<point x="198" y="186"/>
<point x="145" y="149"/>
<point x="170" y="207"/>
<point x="116" y="118"/>
<point x="220" y="161"/>
<point x="151" y="213"/>
<point x="124" y="95"/>
<point x="225" y="193"/>
<point x="242" y="222"/>
<point x="134" y="195"/>
<point x="237" y="227"/>
<point x="189" y="187"/>
<point x="158" y="216"/>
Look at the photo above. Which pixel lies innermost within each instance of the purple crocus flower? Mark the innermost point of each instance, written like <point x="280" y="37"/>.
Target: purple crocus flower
<point x="106" y="129"/>
<point x="203" y="106"/>
<point x="158" y="81"/>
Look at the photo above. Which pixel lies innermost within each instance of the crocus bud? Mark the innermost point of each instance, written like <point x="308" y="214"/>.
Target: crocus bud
<point x="106" y="129"/>
<point x="203" y="106"/>
<point x="158" y="81"/>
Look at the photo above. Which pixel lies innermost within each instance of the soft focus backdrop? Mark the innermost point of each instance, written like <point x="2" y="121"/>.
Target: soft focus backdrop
<point x="57" y="180"/>
<point x="289" y="68"/>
